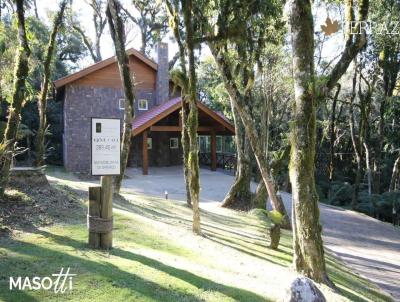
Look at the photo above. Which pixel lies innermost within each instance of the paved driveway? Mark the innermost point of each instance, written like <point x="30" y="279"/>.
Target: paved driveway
<point x="213" y="185"/>
<point x="370" y="247"/>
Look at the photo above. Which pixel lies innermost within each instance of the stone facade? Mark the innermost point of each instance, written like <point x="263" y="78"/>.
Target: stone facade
<point x="162" y="82"/>
<point x="81" y="103"/>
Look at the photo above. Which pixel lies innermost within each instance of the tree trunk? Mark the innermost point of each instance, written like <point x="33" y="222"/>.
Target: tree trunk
<point x="332" y="138"/>
<point x="19" y="87"/>
<point x="261" y="197"/>
<point x="307" y="240"/>
<point x="117" y="33"/>
<point x="185" y="149"/>
<point x="192" y="120"/>
<point x="394" y="181"/>
<point x="239" y="195"/>
<point x="356" y="146"/>
<point x="42" y="102"/>
<point x="368" y="166"/>
<point x="184" y="95"/>
<point x="244" y="112"/>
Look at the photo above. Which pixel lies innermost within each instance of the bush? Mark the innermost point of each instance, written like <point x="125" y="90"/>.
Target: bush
<point x="341" y="193"/>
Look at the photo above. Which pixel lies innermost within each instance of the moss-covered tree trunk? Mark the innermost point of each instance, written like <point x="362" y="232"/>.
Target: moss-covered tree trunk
<point x="307" y="240"/>
<point x="239" y="195"/>
<point x="185" y="149"/>
<point x="356" y="146"/>
<point x="261" y="196"/>
<point x="241" y="104"/>
<point x="192" y="119"/>
<point x="18" y="95"/>
<point x="118" y="35"/>
<point x="332" y="138"/>
<point x="42" y="102"/>
<point x="174" y="23"/>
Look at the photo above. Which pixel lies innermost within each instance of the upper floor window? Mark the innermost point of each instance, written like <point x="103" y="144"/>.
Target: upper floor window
<point x="121" y="104"/>
<point x="143" y="104"/>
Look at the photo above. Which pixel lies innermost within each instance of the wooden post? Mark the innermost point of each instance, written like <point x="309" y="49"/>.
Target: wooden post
<point x="106" y="209"/>
<point x="94" y="210"/>
<point x="145" y="157"/>
<point x="213" y="151"/>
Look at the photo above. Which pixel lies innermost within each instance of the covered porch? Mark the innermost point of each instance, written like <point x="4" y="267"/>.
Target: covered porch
<point x="157" y="135"/>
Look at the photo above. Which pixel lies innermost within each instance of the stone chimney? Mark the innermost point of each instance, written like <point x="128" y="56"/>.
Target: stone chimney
<point x="162" y="83"/>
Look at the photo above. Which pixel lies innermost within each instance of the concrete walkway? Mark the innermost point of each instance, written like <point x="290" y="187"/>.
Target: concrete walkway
<point x="370" y="247"/>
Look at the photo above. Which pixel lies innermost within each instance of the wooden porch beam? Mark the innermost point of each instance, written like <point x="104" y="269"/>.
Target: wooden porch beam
<point x="213" y="151"/>
<point x="145" y="157"/>
<point x="179" y="129"/>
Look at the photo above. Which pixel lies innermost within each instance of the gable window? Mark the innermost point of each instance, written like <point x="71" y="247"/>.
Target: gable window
<point x="143" y="104"/>
<point x="121" y="104"/>
<point x="149" y="143"/>
<point x="173" y="143"/>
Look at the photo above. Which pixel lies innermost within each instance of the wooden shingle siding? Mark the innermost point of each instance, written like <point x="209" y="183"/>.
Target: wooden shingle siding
<point x="145" y="76"/>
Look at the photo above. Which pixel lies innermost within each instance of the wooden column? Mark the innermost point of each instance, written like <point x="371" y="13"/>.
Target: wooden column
<point x="94" y="211"/>
<point x="106" y="209"/>
<point x="213" y="151"/>
<point x="145" y="156"/>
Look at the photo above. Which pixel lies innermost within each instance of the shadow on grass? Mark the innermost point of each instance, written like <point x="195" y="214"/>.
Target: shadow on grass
<point x="17" y="296"/>
<point x="220" y="233"/>
<point x="50" y="260"/>
<point x="347" y="282"/>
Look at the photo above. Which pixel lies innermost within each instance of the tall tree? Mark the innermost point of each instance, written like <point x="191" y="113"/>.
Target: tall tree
<point x="18" y="95"/>
<point x="99" y="23"/>
<point x="117" y="33"/>
<point x="151" y="22"/>
<point x="307" y="240"/>
<point x="236" y="41"/>
<point x="42" y="102"/>
<point x="180" y="77"/>
<point x="184" y="8"/>
<point x="239" y="194"/>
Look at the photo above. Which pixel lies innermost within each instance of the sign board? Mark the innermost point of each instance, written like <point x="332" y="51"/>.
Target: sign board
<point x="106" y="146"/>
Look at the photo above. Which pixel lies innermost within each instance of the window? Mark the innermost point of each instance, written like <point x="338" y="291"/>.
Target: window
<point x="204" y="143"/>
<point x="219" y="144"/>
<point x="121" y="103"/>
<point x="173" y="143"/>
<point x="149" y="143"/>
<point x="142" y="104"/>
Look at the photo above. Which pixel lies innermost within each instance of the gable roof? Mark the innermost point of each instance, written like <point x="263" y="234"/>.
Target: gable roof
<point x="156" y="114"/>
<point x="99" y="65"/>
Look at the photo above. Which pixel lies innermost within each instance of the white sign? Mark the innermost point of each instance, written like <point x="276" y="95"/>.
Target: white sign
<point x="106" y="146"/>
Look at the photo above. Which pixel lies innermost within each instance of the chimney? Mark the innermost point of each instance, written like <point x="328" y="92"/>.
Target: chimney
<point x="162" y="84"/>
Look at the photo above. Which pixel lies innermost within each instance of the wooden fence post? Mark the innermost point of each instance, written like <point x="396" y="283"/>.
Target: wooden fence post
<point x="94" y="211"/>
<point x="106" y="209"/>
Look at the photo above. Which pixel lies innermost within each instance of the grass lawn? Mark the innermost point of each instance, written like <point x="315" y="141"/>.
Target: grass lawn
<point x="156" y="257"/>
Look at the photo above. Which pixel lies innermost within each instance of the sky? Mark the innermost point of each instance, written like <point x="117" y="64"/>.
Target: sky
<point x="84" y="13"/>
<point x="332" y="45"/>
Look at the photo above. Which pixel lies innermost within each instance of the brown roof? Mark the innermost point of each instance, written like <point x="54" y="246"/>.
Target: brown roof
<point x="158" y="113"/>
<point x="99" y="65"/>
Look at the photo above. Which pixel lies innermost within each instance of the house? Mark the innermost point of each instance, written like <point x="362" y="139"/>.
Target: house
<point x="96" y="91"/>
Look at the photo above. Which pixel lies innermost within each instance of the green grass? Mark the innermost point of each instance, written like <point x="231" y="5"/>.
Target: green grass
<point x="147" y="263"/>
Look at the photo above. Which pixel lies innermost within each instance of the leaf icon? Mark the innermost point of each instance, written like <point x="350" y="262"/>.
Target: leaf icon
<point x="330" y="27"/>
